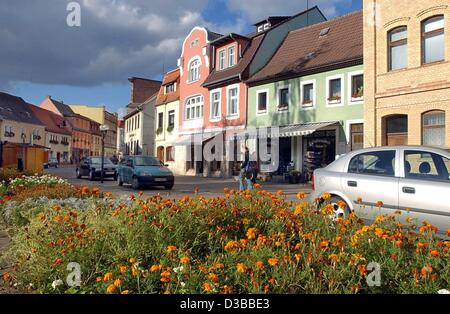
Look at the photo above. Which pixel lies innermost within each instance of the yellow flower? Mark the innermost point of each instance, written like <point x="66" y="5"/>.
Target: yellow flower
<point x="273" y="261"/>
<point x="259" y="264"/>
<point x="117" y="282"/>
<point x="324" y="244"/>
<point x="299" y="209"/>
<point x="207" y="287"/>
<point x="326" y="196"/>
<point x="123" y="269"/>
<point x="241" y="268"/>
<point x="132" y="260"/>
<point x="213" y="277"/>
<point x="125" y="292"/>
<point x="171" y="249"/>
<point x="334" y="258"/>
<point x="108" y="277"/>
<point x="111" y="289"/>
<point x="184" y="260"/>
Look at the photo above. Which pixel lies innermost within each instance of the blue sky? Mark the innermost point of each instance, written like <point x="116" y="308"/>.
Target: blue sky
<point x="91" y="64"/>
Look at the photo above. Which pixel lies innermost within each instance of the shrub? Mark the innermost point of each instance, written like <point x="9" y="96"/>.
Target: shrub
<point x="244" y="242"/>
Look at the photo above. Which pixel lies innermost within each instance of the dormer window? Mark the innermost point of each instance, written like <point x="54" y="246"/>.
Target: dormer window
<point x="260" y="28"/>
<point x="170" y="88"/>
<point x="222" y="59"/>
<point x="231" y="56"/>
<point x="267" y="26"/>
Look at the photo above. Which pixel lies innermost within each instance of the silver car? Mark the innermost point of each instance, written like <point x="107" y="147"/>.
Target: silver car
<point x="383" y="180"/>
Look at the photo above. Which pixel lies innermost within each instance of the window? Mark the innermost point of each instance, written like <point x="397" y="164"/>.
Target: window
<point x="231" y="56"/>
<point x="335" y="90"/>
<point x="283" y="99"/>
<point x="433" y="43"/>
<point x="169" y="88"/>
<point x="221" y="59"/>
<point x="194" y="70"/>
<point x="233" y="101"/>
<point x="160" y="120"/>
<point x="307" y="94"/>
<point x="357" y="136"/>
<point x="215" y="105"/>
<point x="171" y="119"/>
<point x="396" y="130"/>
<point x="138" y="121"/>
<point x="194" y="108"/>
<point x="262" y="101"/>
<point x="398" y="48"/>
<point x="426" y="166"/>
<point x="357" y="86"/>
<point x="433" y="131"/>
<point x="380" y="163"/>
<point x="170" y="153"/>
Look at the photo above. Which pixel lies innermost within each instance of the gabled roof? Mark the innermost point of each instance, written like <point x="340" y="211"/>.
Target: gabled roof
<point x="64" y="109"/>
<point x="305" y="50"/>
<point x="53" y="123"/>
<point x="217" y="77"/>
<point x="169" y="78"/>
<point x="14" y="108"/>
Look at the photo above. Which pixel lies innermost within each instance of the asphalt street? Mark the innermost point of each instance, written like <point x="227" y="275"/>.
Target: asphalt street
<point x="184" y="185"/>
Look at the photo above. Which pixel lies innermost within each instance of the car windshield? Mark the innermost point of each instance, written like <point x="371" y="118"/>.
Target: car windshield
<point x="98" y="160"/>
<point x="146" y="161"/>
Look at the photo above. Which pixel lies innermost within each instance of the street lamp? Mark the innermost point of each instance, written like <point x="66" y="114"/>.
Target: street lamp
<point x="103" y="129"/>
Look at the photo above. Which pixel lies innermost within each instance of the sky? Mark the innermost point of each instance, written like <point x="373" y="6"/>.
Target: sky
<point x="90" y="64"/>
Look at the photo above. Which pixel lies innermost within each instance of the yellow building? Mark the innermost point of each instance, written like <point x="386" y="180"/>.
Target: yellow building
<point x="407" y="72"/>
<point x="102" y="116"/>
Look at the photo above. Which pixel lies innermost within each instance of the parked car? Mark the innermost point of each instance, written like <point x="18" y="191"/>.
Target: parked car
<point x="91" y="167"/>
<point x="374" y="181"/>
<point x="52" y="162"/>
<point x="144" y="171"/>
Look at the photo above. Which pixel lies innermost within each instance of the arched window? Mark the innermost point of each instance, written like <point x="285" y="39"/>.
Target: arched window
<point x="396" y="130"/>
<point x="398" y="48"/>
<point x="433" y="43"/>
<point x="194" y="108"/>
<point x="194" y="70"/>
<point x="433" y="128"/>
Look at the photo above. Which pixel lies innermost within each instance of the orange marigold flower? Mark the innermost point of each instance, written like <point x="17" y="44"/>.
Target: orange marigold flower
<point x="98" y="279"/>
<point x="252" y="233"/>
<point x="58" y="218"/>
<point x="7" y="277"/>
<point x="398" y="243"/>
<point x="111" y="288"/>
<point x="324" y="244"/>
<point x="213" y="277"/>
<point x="117" y="282"/>
<point x="219" y="266"/>
<point x="241" y="268"/>
<point x="227" y="290"/>
<point x="299" y="209"/>
<point x="301" y="195"/>
<point x="334" y="258"/>
<point x="362" y="270"/>
<point x="326" y="196"/>
<point x="434" y="253"/>
<point x="184" y="260"/>
<point x="108" y="277"/>
<point x="125" y="292"/>
<point x="272" y="261"/>
<point x="207" y="287"/>
<point x="58" y="261"/>
<point x="165" y="276"/>
<point x="259" y="264"/>
<point x="171" y="248"/>
<point x="56" y="208"/>
<point x="280" y="193"/>
<point x="231" y="245"/>
<point x="132" y="260"/>
<point x="298" y="257"/>
<point x="123" y="269"/>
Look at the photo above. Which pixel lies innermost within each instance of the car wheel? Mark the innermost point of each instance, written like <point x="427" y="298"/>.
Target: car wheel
<point x="135" y="183"/>
<point x="340" y="211"/>
<point x="78" y="174"/>
<point x="92" y="175"/>
<point x="120" y="181"/>
<point x="169" y="187"/>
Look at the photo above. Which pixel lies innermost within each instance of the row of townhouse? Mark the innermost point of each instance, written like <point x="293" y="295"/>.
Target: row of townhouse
<point x="56" y="128"/>
<point x="374" y="77"/>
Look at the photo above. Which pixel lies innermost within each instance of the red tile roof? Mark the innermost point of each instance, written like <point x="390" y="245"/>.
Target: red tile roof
<point x="53" y="123"/>
<point x="304" y="50"/>
<point x="170" y="77"/>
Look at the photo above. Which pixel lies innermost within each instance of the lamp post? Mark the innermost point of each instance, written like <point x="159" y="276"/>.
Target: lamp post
<point x="103" y="129"/>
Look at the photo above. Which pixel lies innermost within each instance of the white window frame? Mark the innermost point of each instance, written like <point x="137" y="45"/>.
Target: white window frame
<point x="354" y="101"/>
<point x="279" y="88"/>
<point x="231" y="56"/>
<point x="258" y="112"/>
<point x="335" y="103"/>
<point x="222" y="62"/>
<point x="314" y="102"/>
<point x="194" y="106"/>
<point x="190" y="80"/>
<point x="236" y="115"/>
<point x="174" y="88"/>
<point x="211" y="93"/>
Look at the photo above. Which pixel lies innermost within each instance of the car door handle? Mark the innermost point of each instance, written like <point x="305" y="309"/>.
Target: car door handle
<point x="409" y="190"/>
<point x="352" y="183"/>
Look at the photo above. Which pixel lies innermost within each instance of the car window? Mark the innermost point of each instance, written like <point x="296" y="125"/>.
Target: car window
<point x="426" y="166"/>
<point x="147" y="161"/>
<point x="380" y="163"/>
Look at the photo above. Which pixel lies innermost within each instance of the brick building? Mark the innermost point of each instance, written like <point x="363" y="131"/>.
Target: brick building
<point x="407" y="72"/>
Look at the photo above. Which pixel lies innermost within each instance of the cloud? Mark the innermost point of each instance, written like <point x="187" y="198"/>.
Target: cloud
<point x="117" y="39"/>
<point x="256" y="10"/>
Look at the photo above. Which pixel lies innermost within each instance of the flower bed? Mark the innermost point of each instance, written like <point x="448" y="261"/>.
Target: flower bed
<point x="243" y="242"/>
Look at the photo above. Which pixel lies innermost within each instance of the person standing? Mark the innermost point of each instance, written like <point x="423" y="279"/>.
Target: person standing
<point x="243" y="172"/>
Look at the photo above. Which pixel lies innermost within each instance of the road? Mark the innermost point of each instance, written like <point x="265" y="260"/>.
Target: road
<point x="208" y="187"/>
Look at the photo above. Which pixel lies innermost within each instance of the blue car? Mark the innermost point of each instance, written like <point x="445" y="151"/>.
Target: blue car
<point x="144" y="171"/>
